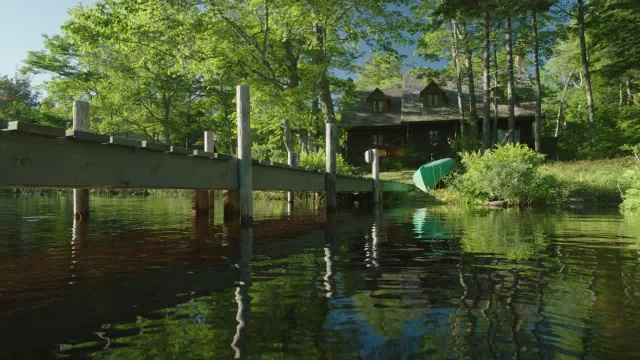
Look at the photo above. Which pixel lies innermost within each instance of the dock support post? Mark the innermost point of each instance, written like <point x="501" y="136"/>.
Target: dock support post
<point x="81" y="196"/>
<point x="245" y="175"/>
<point x="375" y="173"/>
<point x="331" y="167"/>
<point x="210" y="139"/>
<point x="288" y="144"/>
<point x="231" y="200"/>
<point x="202" y="198"/>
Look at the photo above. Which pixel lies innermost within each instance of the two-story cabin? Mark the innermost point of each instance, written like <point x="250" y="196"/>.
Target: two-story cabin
<point x="421" y="117"/>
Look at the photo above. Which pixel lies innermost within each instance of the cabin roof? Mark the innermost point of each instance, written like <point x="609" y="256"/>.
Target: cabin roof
<point x="377" y="91"/>
<point x="406" y="105"/>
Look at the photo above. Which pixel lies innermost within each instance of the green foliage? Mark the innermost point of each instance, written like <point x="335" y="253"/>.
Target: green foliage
<point x="632" y="176"/>
<point x="266" y="152"/>
<point x="381" y="70"/>
<point x="591" y="181"/>
<point x="17" y="100"/>
<point x="317" y="160"/>
<point x="510" y="173"/>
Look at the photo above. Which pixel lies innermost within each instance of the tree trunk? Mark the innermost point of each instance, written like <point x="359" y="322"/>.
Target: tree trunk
<point x="621" y="101"/>
<point x="291" y="60"/>
<point x="585" y="62"/>
<point x="456" y="60"/>
<point x="303" y="139"/>
<point x="630" y="100"/>
<point x="313" y="119"/>
<point x="473" y="103"/>
<point x="537" y="129"/>
<point x="326" y="105"/>
<point x="486" y="68"/>
<point x="496" y="114"/>
<point x="165" y="120"/>
<point x="563" y="101"/>
<point x="510" y="96"/>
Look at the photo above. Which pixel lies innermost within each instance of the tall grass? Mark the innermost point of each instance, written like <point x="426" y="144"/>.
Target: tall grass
<point x="595" y="181"/>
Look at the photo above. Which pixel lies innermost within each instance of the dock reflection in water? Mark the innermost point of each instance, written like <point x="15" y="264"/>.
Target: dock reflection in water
<point x="391" y="284"/>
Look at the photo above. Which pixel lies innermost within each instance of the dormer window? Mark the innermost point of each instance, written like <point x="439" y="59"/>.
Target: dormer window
<point x="378" y="106"/>
<point x="378" y="101"/>
<point x="432" y="100"/>
<point x="433" y="95"/>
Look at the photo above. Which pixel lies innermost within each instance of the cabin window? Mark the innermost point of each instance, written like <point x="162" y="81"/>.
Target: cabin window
<point x="432" y="100"/>
<point x="377" y="140"/>
<point x="503" y="133"/>
<point x="378" y="106"/>
<point x="433" y="135"/>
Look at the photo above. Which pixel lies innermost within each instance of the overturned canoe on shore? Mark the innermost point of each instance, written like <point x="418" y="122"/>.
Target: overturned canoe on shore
<point x="428" y="175"/>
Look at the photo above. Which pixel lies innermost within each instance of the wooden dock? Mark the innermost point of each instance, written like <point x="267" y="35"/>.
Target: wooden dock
<point x="46" y="157"/>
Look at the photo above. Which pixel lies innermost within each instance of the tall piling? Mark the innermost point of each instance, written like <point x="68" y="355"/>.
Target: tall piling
<point x="375" y="174"/>
<point x="331" y="147"/>
<point x="245" y="174"/>
<point x="81" y="196"/>
<point x="202" y="200"/>
<point x="210" y="139"/>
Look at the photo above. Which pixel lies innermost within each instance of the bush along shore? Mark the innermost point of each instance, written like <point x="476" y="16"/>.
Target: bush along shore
<point x="514" y="175"/>
<point x="510" y="174"/>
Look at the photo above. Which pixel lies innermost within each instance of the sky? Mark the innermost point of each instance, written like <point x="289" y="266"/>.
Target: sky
<point x="23" y="22"/>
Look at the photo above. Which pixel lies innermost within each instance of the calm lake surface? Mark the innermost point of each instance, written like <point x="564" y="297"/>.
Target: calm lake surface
<point x="144" y="281"/>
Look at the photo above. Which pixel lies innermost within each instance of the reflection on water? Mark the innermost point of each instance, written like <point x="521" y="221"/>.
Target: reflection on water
<point x="143" y="280"/>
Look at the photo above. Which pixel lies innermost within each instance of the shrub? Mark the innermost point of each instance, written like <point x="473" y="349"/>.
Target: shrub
<point x="632" y="195"/>
<point x="317" y="160"/>
<point x="510" y="173"/>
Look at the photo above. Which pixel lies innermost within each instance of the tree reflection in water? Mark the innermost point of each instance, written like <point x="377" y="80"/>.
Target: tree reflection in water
<point x="396" y="283"/>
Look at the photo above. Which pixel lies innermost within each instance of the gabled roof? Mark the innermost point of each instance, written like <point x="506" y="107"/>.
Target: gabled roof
<point x="430" y="86"/>
<point x="377" y="91"/>
<point x="406" y="105"/>
<point x="361" y="114"/>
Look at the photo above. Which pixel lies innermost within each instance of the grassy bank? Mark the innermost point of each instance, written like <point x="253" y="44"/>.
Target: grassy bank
<point x="592" y="181"/>
<point x="585" y="181"/>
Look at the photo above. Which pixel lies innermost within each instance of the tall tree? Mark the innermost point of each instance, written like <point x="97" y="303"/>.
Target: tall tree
<point x="458" y="16"/>
<point x="440" y="42"/>
<point x="381" y="70"/>
<point x="486" y="66"/>
<point x="510" y="75"/>
<point x="537" y="7"/>
<point x="17" y="99"/>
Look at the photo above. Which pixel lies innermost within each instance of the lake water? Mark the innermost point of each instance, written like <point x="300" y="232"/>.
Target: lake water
<point x="144" y="281"/>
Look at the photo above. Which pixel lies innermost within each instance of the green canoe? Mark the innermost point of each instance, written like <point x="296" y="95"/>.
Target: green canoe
<point x="428" y="175"/>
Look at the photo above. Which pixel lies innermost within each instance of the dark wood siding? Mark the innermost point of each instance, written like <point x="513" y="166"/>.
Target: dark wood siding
<point x="413" y="139"/>
<point x="360" y="140"/>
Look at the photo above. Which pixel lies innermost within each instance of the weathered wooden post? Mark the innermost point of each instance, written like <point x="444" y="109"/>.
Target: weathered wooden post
<point x="245" y="174"/>
<point x="372" y="156"/>
<point x="331" y="167"/>
<point x="231" y="200"/>
<point x="81" y="196"/>
<point x="375" y="173"/>
<point x="200" y="202"/>
<point x="288" y="144"/>
<point x="210" y="139"/>
<point x="202" y="199"/>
